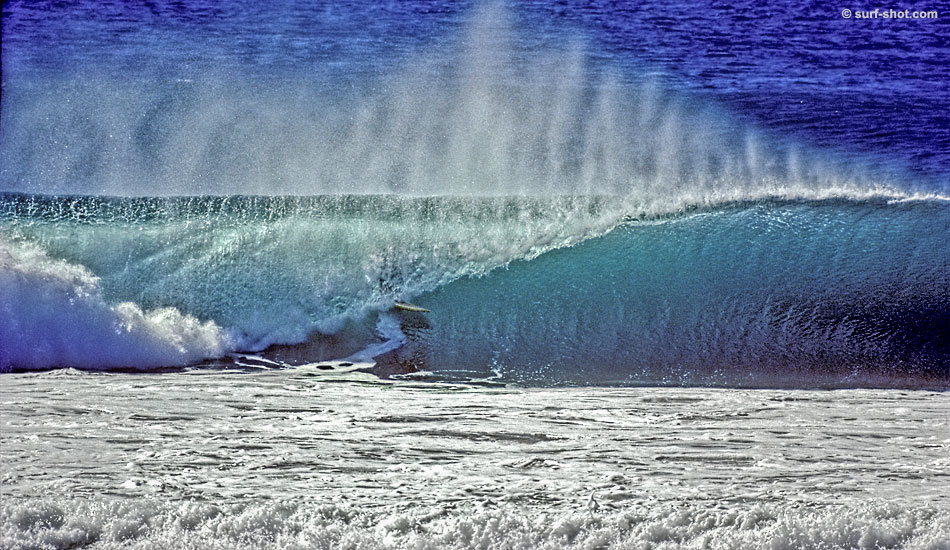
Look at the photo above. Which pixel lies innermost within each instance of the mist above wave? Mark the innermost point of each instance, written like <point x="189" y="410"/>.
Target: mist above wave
<point x="476" y="115"/>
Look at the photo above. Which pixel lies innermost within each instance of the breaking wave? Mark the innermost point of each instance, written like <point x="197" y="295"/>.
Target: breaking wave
<point x="568" y="290"/>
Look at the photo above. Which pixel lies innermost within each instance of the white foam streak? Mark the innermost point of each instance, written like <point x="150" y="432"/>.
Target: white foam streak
<point x="389" y="330"/>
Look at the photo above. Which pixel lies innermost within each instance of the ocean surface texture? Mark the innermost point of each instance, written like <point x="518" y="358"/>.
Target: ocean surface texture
<point x="311" y="458"/>
<point x="685" y="267"/>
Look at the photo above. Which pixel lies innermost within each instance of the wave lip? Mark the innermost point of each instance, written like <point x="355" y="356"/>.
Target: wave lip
<point x="55" y="316"/>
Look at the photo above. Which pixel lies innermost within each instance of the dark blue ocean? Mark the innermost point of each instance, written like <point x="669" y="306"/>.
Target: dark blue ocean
<point x="579" y="192"/>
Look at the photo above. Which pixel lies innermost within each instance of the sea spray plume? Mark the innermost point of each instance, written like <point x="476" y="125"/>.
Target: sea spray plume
<point x="508" y="121"/>
<point x="486" y="117"/>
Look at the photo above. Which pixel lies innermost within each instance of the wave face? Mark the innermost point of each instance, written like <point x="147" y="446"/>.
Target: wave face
<point x="576" y="290"/>
<point x="763" y="293"/>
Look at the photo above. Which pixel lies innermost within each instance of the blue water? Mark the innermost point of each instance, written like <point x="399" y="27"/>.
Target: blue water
<point x="581" y="193"/>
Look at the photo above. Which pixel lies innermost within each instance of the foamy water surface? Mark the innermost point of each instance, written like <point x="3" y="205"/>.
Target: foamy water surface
<point x="311" y="458"/>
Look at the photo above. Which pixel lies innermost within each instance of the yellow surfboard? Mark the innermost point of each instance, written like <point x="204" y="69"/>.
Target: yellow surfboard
<point x="406" y="306"/>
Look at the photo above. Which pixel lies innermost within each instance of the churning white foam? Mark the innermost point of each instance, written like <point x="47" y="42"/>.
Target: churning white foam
<point x="55" y="315"/>
<point x="392" y="336"/>
<point x="287" y="525"/>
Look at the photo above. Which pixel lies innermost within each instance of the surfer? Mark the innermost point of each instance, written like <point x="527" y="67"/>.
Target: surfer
<point x="386" y="287"/>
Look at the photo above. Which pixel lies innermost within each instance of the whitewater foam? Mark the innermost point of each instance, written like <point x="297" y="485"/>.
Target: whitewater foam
<point x="291" y="525"/>
<point x="55" y="315"/>
<point x="307" y="458"/>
